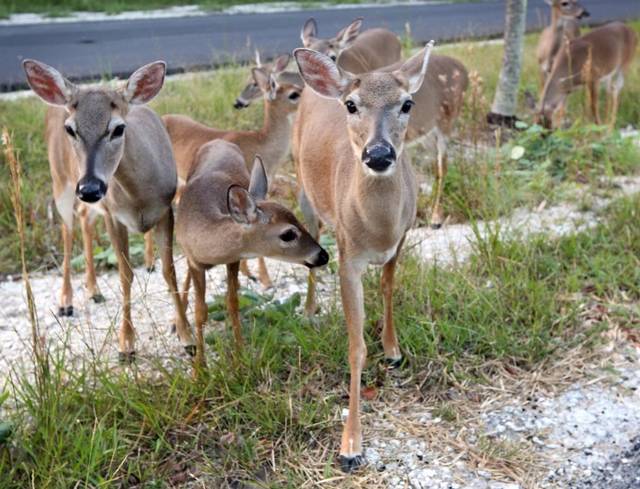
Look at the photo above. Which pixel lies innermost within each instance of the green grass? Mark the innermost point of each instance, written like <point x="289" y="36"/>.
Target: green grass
<point x="519" y="303"/>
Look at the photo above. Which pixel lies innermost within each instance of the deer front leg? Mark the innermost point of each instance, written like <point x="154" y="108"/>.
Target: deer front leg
<point x="593" y="99"/>
<point x="199" y="284"/>
<point x="263" y="274"/>
<point x="87" y="223"/>
<point x="351" y="455"/>
<point x="437" y="216"/>
<point x="232" y="302"/>
<point x="126" y="336"/>
<point x="392" y="354"/>
<point x="66" y="295"/>
<point x="164" y="231"/>
<point x="149" y="257"/>
<point x="244" y="268"/>
<point x="313" y="226"/>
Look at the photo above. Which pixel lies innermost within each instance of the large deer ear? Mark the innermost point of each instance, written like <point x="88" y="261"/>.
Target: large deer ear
<point x="280" y="63"/>
<point x="414" y="69"/>
<point x="145" y="83"/>
<point x="321" y="73"/>
<point x="349" y="34"/>
<point x="48" y="83"/>
<point x="309" y="32"/>
<point x="242" y="206"/>
<point x="259" y="184"/>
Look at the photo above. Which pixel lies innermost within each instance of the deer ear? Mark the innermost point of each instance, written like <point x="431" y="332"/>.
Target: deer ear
<point x="349" y="34"/>
<point x="549" y="2"/>
<point x="265" y="81"/>
<point x="48" y="83"/>
<point x="414" y="69"/>
<point x="258" y="60"/>
<point x="242" y="207"/>
<point x="309" y="32"/>
<point x="320" y="73"/>
<point x="259" y="183"/>
<point x="145" y="83"/>
<point x="281" y="63"/>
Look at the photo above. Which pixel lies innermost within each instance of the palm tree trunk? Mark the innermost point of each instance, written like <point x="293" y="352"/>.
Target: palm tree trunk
<point x="505" y="102"/>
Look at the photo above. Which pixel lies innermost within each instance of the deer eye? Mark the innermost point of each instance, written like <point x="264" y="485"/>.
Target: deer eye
<point x="118" y="131"/>
<point x="406" y="106"/>
<point x="294" y="96"/>
<point x="351" y="107"/>
<point x="70" y="131"/>
<point x="288" y="236"/>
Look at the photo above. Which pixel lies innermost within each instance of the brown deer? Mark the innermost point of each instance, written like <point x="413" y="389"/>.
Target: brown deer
<point x="602" y="56"/>
<point x="251" y="91"/>
<point x="354" y="51"/>
<point x="114" y="154"/>
<point x="223" y="218"/>
<point x="348" y="145"/>
<point x="565" y="25"/>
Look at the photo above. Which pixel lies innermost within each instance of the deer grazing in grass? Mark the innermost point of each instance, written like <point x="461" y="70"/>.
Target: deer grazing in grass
<point x="355" y="51"/>
<point x="565" y="25"/>
<point x="223" y="218"/>
<point x="271" y="141"/>
<point x="602" y="56"/>
<point x="348" y="145"/>
<point x="114" y="154"/>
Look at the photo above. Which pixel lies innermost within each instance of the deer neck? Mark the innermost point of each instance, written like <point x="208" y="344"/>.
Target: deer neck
<point x="273" y="138"/>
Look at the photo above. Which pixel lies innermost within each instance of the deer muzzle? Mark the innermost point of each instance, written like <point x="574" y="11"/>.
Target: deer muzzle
<point x="379" y="156"/>
<point x="91" y="189"/>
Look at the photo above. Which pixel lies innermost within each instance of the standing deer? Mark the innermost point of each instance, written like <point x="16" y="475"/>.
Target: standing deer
<point x="223" y="218"/>
<point x="565" y="25"/>
<point x="602" y="56"/>
<point x="271" y="141"/>
<point x="115" y="155"/>
<point x="354" y="51"/>
<point x="348" y="145"/>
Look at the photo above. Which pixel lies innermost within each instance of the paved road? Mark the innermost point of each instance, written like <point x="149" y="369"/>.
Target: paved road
<point x="85" y="50"/>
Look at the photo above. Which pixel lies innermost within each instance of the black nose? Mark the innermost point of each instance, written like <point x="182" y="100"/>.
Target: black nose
<point x="585" y="13"/>
<point x="379" y="156"/>
<point x="333" y="57"/>
<point x="91" y="190"/>
<point x="239" y="104"/>
<point x="321" y="259"/>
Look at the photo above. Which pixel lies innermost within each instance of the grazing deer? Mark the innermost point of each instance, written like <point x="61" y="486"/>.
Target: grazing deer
<point x="271" y="141"/>
<point x="355" y="52"/>
<point x="348" y="145"/>
<point x="602" y="56"/>
<point x="565" y="25"/>
<point x="223" y="218"/>
<point x="277" y="67"/>
<point x="114" y="154"/>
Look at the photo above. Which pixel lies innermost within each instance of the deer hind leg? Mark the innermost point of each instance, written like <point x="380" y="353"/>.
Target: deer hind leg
<point x="164" y="231"/>
<point x="64" y="203"/>
<point x="199" y="285"/>
<point x="351" y="456"/>
<point x="614" y="94"/>
<point x="232" y="302"/>
<point x="87" y="222"/>
<point x="313" y="226"/>
<point x="263" y="274"/>
<point x="437" y="215"/>
<point x="126" y="336"/>
<point x="592" y="87"/>
<point x="149" y="256"/>
<point x="244" y="269"/>
<point x="392" y="354"/>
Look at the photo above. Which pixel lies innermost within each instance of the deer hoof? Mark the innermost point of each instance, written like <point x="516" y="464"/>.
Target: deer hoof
<point x="126" y="357"/>
<point x="151" y="269"/>
<point x="349" y="464"/>
<point x="65" y="311"/>
<point x="436" y="225"/>
<point x="394" y="363"/>
<point x="98" y="298"/>
<point x="191" y="350"/>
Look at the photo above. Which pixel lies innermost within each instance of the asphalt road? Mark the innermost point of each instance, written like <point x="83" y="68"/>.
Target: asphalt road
<point x="85" y="50"/>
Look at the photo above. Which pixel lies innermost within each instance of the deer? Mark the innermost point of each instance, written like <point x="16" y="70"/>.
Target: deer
<point x="348" y="146"/>
<point x="602" y="56"/>
<point x="565" y="25"/>
<point x="223" y="217"/>
<point x="251" y="91"/>
<point x="113" y="153"/>
<point x="354" y="51"/>
<point x="271" y="141"/>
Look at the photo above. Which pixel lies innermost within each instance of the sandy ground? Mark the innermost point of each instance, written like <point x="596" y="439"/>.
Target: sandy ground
<point x="573" y="437"/>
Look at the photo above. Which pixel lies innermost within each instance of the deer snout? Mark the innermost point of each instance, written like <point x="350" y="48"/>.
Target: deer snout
<point x="379" y="156"/>
<point x="320" y="259"/>
<point x="584" y="14"/>
<point x="240" y="104"/>
<point x="91" y="190"/>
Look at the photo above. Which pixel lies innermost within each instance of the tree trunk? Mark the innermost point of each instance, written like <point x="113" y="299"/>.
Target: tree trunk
<point x="505" y="102"/>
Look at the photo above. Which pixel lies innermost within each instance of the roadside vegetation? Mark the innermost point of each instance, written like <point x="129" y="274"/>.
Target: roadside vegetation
<point x="271" y="417"/>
